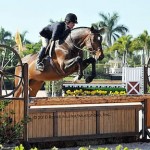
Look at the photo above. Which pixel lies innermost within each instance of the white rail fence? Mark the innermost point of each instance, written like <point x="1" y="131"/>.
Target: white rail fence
<point x="133" y="80"/>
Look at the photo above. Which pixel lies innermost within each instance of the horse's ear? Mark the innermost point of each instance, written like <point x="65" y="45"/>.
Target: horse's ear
<point x="102" y="30"/>
<point x="92" y="28"/>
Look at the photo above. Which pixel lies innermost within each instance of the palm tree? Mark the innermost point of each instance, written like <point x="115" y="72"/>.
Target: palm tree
<point x="124" y="46"/>
<point x="23" y="39"/>
<point x="5" y="36"/>
<point x="112" y="30"/>
<point x="144" y="41"/>
<point x="52" y="21"/>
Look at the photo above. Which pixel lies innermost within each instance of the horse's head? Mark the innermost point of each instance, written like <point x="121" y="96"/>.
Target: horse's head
<point x="93" y="43"/>
<point x="89" y="38"/>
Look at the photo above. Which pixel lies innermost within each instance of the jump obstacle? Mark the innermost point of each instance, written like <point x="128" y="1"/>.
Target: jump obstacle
<point x="74" y="118"/>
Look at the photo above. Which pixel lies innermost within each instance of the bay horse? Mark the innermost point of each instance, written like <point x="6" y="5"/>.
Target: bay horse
<point x="67" y="58"/>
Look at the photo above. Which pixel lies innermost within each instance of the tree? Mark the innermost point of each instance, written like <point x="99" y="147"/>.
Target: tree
<point x="23" y="39"/>
<point x="123" y="46"/>
<point x="5" y="36"/>
<point x="144" y="42"/>
<point x="127" y="46"/>
<point x="112" y="30"/>
<point x="32" y="48"/>
<point x="52" y="21"/>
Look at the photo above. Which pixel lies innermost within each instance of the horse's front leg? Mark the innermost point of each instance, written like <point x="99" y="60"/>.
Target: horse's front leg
<point x="86" y="62"/>
<point x="80" y="71"/>
<point x="75" y="61"/>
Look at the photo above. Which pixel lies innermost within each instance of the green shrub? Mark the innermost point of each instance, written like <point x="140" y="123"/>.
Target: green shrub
<point x="9" y="130"/>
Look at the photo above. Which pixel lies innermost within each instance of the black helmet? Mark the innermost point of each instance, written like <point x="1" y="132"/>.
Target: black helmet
<point x="71" y="18"/>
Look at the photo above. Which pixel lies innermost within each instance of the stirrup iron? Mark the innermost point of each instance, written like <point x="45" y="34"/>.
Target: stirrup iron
<point x="40" y="66"/>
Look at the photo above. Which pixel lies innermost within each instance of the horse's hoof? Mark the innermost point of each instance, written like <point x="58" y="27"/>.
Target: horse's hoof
<point x="80" y="76"/>
<point x="89" y="79"/>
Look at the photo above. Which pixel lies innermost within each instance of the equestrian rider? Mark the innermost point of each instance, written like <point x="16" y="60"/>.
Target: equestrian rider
<point x="53" y="32"/>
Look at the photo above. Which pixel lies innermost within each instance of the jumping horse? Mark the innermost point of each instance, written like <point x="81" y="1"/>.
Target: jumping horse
<point x="67" y="58"/>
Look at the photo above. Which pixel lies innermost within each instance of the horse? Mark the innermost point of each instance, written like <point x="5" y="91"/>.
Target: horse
<point x="67" y="58"/>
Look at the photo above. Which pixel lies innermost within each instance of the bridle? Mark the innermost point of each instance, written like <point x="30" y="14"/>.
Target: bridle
<point x="81" y="49"/>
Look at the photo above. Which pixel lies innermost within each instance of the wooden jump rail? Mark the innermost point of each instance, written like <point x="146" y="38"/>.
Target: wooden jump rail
<point x="86" y="100"/>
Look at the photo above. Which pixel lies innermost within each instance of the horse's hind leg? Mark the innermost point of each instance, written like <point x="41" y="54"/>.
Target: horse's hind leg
<point x="16" y="82"/>
<point x="34" y="87"/>
<point x="18" y="91"/>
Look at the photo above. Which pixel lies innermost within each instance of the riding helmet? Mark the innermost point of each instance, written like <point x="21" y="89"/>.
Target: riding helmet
<point x="71" y="18"/>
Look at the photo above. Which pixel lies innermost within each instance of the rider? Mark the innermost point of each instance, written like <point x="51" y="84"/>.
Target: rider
<point x="53" y="32"/>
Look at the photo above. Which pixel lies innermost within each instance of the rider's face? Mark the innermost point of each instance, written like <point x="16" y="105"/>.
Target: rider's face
<point x="71" y="25"/>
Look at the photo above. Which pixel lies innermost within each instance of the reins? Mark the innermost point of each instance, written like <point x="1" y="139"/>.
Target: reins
<point x="81" y="49"/>
<point x="74" y="44"/>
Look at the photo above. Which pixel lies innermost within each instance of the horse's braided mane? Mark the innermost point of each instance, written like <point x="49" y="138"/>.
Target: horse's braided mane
<point x="80" y="28"/>
<point x="84" y="28"/>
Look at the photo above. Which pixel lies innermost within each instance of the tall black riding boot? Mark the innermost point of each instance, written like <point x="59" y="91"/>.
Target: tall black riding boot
<point x="40" y="65"/>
